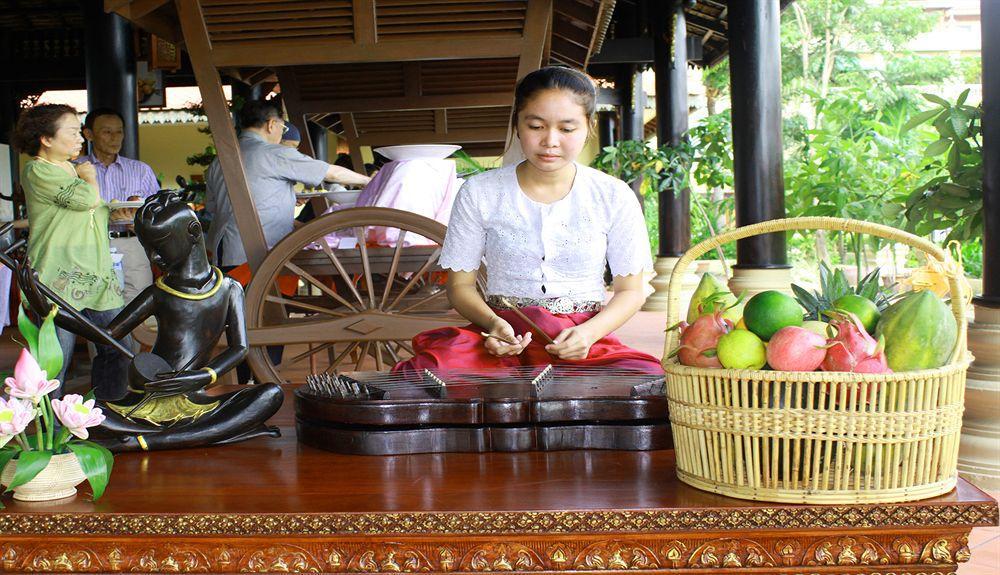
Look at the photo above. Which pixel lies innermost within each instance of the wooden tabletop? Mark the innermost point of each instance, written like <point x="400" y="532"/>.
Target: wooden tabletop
<point x="279" y="476"/>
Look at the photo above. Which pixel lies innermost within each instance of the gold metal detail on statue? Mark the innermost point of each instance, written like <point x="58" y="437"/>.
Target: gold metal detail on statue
<point x="193" y="296"/>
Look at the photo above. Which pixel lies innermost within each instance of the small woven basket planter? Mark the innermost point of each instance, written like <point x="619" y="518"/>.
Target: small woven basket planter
<point x="810" y="437"/>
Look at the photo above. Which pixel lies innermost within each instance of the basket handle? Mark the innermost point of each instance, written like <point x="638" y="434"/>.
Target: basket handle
<point x="813" y="223"/>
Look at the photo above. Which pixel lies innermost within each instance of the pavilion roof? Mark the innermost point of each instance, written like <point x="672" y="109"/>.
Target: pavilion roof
<point x="391" y="71"/>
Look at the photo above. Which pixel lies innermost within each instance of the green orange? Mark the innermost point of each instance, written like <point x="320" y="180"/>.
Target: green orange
<point x="864" y="308"/>
<point x="769" y="311"/>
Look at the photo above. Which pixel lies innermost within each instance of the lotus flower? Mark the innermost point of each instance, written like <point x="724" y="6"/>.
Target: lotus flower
<point x="15" y="414"/>
<point x="30" y="381"/>
<point x="77" y="415"/>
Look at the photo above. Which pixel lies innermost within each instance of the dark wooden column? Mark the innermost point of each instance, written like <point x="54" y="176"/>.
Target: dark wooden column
<point x="628" y="81"/>
<point x="607" y="124"/>
<point x="317" y="135"/>
<point x="670" y="65"/>
<point x="755" y="71"/>
<point x="991" y="154"/>
<point x="110" y="58"/>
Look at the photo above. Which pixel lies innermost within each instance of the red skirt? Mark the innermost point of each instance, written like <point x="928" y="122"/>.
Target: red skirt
<point x="462" y="347"/>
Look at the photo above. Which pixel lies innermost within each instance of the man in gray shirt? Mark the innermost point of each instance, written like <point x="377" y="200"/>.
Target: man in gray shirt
<point x="272" y="171"/>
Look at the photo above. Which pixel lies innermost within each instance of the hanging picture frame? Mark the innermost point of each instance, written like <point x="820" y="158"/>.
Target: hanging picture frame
<point x="163" y="55"/>
<point x="149" y="86"/>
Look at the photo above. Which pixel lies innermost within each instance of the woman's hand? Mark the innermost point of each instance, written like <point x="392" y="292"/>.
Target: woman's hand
<point x="86" y="172"/>
<point x="497" y="346"/>
<point x="572" y="343"/>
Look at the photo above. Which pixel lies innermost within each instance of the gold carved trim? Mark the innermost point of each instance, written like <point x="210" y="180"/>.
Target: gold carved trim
<point x="919" y="552"/>
<point x="486" y="523"/>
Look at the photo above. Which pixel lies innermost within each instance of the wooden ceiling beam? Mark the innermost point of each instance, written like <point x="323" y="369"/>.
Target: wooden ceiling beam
<point x="351" y="134"/>
<point x="223" y="133"/>
<point x="365" y="32"/>
<point x="158" y="24"/>
<point x="405" y="103"/>
<point x="715" y="26"/>
<point x="537" y="25"/>
<point x="423" y="137"/>
<point x="574" y="11"/>
<point x="140" y="8"/>
<point x="319" y="51"/>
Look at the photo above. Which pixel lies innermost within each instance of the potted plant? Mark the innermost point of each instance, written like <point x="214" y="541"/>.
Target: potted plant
<point x="52" y="459"/>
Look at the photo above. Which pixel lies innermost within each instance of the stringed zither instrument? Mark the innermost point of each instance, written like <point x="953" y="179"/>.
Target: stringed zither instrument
<point x="477" y="410"/>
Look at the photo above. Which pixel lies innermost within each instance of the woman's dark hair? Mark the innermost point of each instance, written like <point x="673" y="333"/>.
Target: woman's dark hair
<point x="256" y="113"/>
<point x="556" y="78"/>
<point x="36" y="122"/>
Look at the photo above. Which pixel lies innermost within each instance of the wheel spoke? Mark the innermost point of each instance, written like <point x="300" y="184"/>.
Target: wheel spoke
<point x="347" y="350"/>
<point x="416" y="276"/>
<point x="340" y="269"/>
<point x="377" y="352"/>
<point x="308" y="353"/>
<point x="303" y="305"/>
<point x="407" y="347"/>
<point x="392" y="354"/>
<point x="322" y="287"/>
<point x="431" y="297"/>
<point x="359" y="232"/>
<point x="364" y="354"/>
<point x="392" y="268"/>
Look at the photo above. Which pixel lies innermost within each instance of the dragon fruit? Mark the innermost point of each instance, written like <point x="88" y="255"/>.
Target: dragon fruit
<point x="852" y="349"/>
<point x="699" y="339"/>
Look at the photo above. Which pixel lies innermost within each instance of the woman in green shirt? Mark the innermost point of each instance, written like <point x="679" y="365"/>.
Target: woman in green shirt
<point x="68" y="241"/>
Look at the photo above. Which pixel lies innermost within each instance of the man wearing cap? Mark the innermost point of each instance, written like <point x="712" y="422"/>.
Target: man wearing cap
<point x="120" y="179"/>
<point x="272" y="171"/>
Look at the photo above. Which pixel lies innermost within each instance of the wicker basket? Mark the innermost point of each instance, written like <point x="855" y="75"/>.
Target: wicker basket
<point x="806" y="437"/>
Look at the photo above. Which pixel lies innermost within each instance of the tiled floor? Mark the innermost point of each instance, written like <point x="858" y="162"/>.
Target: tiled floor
<point x="646" y="332"/>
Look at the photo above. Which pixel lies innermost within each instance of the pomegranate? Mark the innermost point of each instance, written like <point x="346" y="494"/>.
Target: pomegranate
<point x="795" y="348"/>
<point x="852" y="349"/>
<point x="699" y="339"/>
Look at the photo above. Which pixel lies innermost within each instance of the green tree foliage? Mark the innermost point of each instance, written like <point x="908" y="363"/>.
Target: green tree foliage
<point x="971" y="69"/>
<point x="821" y="39"/>
<point x="913" y="69"/>
<point x="951" y="197"/>
<point x="858" y="163"/>
<point x="716" y="82"/>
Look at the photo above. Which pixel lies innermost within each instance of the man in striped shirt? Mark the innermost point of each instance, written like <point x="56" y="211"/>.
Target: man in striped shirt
<point x="121" y="179"/>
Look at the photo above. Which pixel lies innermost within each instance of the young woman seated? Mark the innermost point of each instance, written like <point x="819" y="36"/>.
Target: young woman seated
<point x="544" y="230"/>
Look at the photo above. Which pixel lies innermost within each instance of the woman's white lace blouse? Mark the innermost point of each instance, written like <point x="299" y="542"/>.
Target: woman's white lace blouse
<point x="538" y="250"/>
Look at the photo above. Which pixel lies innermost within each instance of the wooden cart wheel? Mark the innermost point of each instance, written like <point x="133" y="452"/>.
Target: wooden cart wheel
<point x="354" y="306"/>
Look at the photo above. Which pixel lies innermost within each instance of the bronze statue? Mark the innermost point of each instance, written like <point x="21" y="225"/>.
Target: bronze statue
<point x="165" y="405"/>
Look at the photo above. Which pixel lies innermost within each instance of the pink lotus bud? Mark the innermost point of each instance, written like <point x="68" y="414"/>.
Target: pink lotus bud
<point x="15" y="414"/>
<point x="77" y="415"/>
<point x="30" y="381"/>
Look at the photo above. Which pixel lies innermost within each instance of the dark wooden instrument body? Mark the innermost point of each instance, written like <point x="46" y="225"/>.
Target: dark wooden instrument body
<point x="494" y="416"/>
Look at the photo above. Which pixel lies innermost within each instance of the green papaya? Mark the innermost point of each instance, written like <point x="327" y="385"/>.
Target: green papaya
<point x="708" y="286"/>
<point x="919" y="330"/>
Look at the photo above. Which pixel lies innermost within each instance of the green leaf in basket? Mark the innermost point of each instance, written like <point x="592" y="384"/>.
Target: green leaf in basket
<point x="6" y="454"/>
<point x="29" y="465"/>
<point x="95" y="463"/>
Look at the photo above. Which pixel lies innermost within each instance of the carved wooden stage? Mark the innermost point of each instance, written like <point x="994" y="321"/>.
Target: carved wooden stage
<point x="276" y="506"/>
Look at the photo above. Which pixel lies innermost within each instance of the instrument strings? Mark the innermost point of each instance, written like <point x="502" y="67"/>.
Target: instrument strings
<point x="521" y="375"/>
